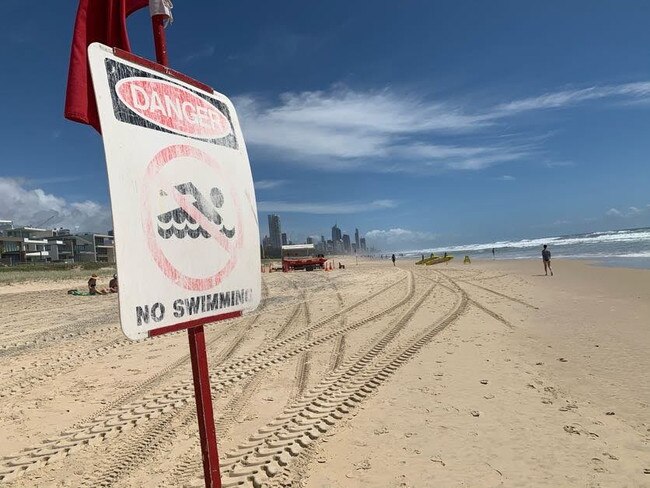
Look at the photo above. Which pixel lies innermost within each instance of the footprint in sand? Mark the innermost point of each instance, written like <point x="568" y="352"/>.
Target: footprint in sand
<point x="598" y="465"/>
<point x="363" y="465"/>
<point x="570" y="429"/>
<point x="567" y="408"/>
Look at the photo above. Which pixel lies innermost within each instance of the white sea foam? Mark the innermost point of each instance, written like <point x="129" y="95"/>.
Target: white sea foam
<point x="641" y="236"/>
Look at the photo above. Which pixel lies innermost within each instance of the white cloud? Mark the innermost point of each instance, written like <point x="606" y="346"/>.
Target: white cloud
<point x="628" y="213"/>
<point x="559" y="164"/>
<point x="325" y="208"/>
<point x="269" y="184"/>
<point x="571" y="97"/>
<point x="399" y="239"/>
<point x="506" y="178"/>
<point x="385" y="131"/>
<point x="206" y="51"/>
<point x="33" y="206"/>
<point x="342" y="129"/>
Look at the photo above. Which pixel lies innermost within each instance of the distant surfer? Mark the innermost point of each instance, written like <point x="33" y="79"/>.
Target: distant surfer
<point x="546" y="257"/>
<point x="393" y="259"/>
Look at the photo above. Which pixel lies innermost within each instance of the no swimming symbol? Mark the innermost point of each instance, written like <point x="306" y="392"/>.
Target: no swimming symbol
<point x="182" y="224"/>
<point x="196" y="216"/>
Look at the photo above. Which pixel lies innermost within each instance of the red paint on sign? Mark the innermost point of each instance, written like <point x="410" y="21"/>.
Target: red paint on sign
<point x="173" y="107"/>
<point x="160" y="160"/>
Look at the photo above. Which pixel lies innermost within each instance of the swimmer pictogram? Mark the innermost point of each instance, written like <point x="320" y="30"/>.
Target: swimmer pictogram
<point x="182" y="224"/>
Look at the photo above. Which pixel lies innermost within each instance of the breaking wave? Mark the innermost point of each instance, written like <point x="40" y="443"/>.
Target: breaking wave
<point x="607" y="237"/>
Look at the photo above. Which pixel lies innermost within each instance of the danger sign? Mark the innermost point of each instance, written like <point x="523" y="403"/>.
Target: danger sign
<point x="184" y="210"/>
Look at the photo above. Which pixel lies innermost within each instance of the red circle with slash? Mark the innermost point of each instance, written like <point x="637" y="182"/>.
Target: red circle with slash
<point x="160" y="160"/>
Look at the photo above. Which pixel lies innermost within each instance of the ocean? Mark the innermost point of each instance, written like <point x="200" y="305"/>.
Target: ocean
<point x="625" y="248"/>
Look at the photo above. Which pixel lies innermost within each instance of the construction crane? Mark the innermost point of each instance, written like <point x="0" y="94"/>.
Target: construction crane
<point x="47" y="220"/>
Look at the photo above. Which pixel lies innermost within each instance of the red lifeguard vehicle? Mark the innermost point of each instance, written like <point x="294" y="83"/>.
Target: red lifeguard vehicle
<point x="301" y="256"/>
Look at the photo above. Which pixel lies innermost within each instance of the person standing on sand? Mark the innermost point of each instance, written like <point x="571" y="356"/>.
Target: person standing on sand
<point x="546" y="257"/>
<point x="492" y="253"/>
<point x="393" y="259"/>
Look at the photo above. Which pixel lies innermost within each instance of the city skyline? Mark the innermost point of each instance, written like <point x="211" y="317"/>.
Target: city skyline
<point x="340" y="242"/>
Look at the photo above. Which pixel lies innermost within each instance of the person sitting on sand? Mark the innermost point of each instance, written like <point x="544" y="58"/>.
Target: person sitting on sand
<point x="92" y="286"/>
<point x="112" y="285"/>
<point x="546" y="257"/>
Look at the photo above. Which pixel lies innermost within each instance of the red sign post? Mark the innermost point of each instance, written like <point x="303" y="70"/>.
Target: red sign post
<point x="182" y="198"/>
<point x="196" y="336"/>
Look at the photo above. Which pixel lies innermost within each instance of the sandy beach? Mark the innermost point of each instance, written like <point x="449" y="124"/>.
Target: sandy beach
<point x="489" y="374"/>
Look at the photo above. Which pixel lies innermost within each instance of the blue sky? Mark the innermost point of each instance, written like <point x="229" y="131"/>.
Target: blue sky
<point x="422" y="123"/>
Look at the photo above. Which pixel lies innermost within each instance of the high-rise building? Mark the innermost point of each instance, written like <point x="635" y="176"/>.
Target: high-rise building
<point x="346" y="243"/>
<point x="356" y="238"/>
<point x="284" y="238"/>
<point x="275" y="231"/>
<point x="362" y="243"/>
<point x="310" y="240"/>
<point x="336" y="233"/>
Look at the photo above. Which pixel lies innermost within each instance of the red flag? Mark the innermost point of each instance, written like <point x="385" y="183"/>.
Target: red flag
<point x="97" y="21"/>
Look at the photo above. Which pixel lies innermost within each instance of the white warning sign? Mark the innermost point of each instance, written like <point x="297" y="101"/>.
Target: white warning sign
<point x="182" y="197"/>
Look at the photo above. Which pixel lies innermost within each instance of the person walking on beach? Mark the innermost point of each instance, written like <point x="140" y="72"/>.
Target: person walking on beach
<point x="492" y="253"/>
<point x="546" y="257"/>
<point x="393" y="259"/>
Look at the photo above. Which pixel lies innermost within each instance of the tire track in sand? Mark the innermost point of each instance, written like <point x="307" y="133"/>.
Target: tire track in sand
<point x="502" y="295"/>
<point x="113" y="421"/>
<point x="80" y="328"/>
<point x="478" y="305"/>
<point x="142" y="444"/>
<point x="268" y="452"/>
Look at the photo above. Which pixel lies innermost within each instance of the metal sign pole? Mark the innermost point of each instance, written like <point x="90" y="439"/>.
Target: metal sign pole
<point x="204" y="413"/>
<point x="196" y="336"/>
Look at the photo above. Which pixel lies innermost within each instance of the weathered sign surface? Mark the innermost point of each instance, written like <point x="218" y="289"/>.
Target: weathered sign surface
<point x="182" y="197"/>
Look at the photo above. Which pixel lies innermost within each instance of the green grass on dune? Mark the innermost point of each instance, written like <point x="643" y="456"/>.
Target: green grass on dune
<point x="53" y="272"/>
